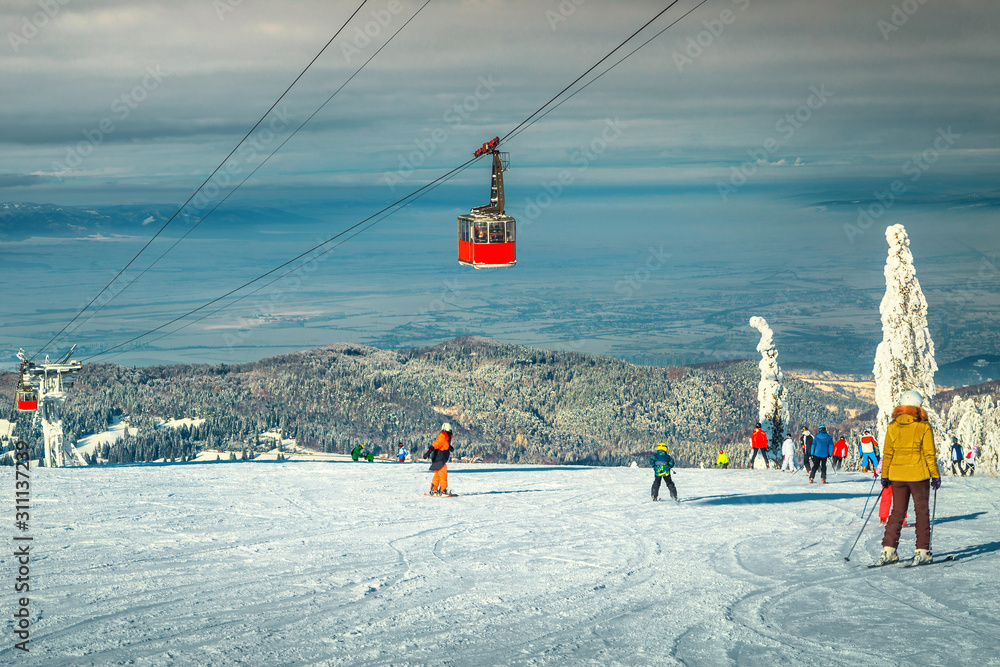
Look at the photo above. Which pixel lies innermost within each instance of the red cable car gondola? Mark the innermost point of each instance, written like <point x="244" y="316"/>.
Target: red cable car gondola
<point x="27" y="400"/>
<point x="27" y="397"/>
<point x="486" y="234"/>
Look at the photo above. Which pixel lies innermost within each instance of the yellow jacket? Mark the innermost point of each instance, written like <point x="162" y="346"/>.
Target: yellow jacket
<point x="908" y="454"/>
<point x="722" y="460"/>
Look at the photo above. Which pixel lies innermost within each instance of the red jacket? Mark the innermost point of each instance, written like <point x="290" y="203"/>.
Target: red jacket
<point x="758" y="439"/>
<point x="840" y="448"/>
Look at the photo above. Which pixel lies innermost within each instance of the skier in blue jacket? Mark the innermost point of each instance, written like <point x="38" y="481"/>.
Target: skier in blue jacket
<point x="957" y="457"/>
<point x="662" y="464"/>
<point x="822" y="449"/>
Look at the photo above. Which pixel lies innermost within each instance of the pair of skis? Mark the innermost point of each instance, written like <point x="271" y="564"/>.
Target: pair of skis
<point x="901" y="563"/>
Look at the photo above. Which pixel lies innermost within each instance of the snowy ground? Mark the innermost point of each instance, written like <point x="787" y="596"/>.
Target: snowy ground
<point x="267" y="563"/>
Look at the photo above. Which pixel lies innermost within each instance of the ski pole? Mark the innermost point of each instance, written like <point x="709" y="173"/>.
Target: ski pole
<point x="930" y="536"/>
<point x="869" y="495"/>
<point x="848" y="556"/>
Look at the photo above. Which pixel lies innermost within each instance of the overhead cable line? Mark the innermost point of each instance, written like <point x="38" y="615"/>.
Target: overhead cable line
<point x="263" y="162"/>
<point x="413" y="195"/>
<point x="405" y="200"/>
<point x="300" y="266"/>
<point x="589" y="70"/>
<point x="204" y="183"/>
<point x="512" y="135"/>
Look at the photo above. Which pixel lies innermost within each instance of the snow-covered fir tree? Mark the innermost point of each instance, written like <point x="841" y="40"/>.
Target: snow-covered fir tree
<point x="773" y="405"/>
<point x="904" y="359"/>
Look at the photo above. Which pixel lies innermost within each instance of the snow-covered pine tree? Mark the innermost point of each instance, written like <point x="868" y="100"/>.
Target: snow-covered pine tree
<point x="904" y="359"/>
<point x="773" y="405"/>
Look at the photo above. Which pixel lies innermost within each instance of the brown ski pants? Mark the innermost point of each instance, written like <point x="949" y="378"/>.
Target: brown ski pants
<point x="901" y="493"/>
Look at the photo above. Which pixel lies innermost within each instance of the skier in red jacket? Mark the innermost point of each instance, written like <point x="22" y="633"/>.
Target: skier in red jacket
<point x="840" y="450"/>
<point x="758" y="440"/>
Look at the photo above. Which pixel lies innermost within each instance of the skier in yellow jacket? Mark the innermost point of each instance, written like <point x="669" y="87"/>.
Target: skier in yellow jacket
<point x="909" y="468"/>
<point x="722" y="461"/>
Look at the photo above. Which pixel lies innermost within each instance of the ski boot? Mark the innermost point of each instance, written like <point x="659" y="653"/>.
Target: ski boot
<point x="824" y="481"/>
<point x="922" y="557"/>
<point x="888" y="556"/>
<point x="653" y="498"/>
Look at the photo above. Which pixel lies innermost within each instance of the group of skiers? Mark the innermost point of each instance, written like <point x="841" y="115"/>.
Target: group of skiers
<point x="815" y="451"/>
<point x="908" y="468"/>
<point x="962" y="462"/>
<point x="362" y="453"/>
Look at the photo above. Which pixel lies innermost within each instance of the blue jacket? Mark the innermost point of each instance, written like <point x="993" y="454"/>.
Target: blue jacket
<point x="956" y="452"/>
<point x="662" y="462"/>
<point x="822" y="445"/>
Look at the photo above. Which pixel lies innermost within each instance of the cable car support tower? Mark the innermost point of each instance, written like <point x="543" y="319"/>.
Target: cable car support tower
<point x="41" y="390"/>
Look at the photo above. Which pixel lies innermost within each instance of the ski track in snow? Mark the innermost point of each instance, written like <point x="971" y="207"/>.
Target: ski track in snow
<point x="346" y="563"/>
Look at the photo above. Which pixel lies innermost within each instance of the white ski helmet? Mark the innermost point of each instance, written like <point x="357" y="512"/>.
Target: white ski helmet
<point x="446" y="427"/>
<point x="911" y="397"/>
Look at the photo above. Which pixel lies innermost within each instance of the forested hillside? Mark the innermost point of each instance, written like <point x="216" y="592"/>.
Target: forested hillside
<point x="508" y="403"/>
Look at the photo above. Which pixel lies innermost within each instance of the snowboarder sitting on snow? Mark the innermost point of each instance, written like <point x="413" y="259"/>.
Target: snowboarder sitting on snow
<point x="821" y="451"/>
<point x="788" y="454"/>
<point x="722" y="460"/>
<point x="401" y="454"/>
<point x="356" y="452"/>
<point x="840" y="450"/>
<point x="438" y="453"/>
<point x="758" y="441"/>
<point x="910" y="468"/>
<point x="868" y="450"/>
<point x="957" y="457"/>
<point x="970" y="460"/>
<point x="662" y="464"/>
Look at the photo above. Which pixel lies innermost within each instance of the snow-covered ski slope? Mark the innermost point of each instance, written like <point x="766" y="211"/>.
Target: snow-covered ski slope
<point x="267" y="563"/>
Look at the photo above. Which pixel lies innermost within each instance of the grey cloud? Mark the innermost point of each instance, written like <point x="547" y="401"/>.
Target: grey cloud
<point x="19" y="180"/>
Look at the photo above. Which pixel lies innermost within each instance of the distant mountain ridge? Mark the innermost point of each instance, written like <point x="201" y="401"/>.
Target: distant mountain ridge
<point x="972" y="370"/>
<point x="508" y="403"/>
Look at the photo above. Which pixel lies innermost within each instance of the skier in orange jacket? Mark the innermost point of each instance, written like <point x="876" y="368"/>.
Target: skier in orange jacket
<point x="438" y="453"/>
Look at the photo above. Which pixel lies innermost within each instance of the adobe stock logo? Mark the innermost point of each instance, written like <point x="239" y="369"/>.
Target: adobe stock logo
<point x="121" y="107"/>
<point x="363" y="35"/>
<point x="31" y="26"/>
<point x="915" y="168"/>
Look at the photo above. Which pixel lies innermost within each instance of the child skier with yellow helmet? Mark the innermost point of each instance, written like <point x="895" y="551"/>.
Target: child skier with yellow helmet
<point x="662" y="464"/>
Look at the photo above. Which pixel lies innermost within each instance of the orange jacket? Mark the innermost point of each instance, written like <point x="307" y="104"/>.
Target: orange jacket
<point x="908" y="453"/>
<point x="440" y="450"/>
<point x="443" y="441"/>
<point x="758" y="439"/>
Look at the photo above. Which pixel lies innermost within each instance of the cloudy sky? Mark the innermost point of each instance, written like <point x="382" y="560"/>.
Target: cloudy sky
<point x="132" y="101"/>
<point x="746" y="111"/>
